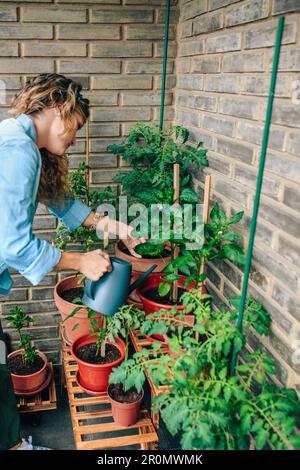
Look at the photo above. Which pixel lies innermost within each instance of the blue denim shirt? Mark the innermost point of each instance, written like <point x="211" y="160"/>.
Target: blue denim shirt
<point x="20" y="168"/>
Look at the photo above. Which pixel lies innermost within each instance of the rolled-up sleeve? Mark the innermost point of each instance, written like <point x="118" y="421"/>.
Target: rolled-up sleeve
<point x="19" y="247"/>
<point x="71" y="212"/>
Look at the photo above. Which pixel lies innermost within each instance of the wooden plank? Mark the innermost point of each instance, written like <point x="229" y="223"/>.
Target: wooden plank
<point x="123" y="441"/>
<point x="144" y="438"/>
<point x="43" y="401"/>
<point x="108" y="427"/>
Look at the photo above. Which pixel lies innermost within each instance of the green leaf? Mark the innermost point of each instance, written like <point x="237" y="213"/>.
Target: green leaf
<point x="75" y="326"/>
<point x="188" y="195"/>
<point x="171" y="277"/>
<point x="261" y="439"/>
<point x="234" y="253"/>
<point x="236" y="217"/>
<point x="217" y="215"/>
<point x="164" y="289"/>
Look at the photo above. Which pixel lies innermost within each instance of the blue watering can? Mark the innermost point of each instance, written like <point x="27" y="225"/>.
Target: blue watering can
<point x="111" y="291"/>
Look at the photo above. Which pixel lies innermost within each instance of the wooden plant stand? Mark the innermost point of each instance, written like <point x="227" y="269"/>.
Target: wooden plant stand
<point x="92" y="421"/>
<point x="139" y="342"/>
<point x="43" y="401"/>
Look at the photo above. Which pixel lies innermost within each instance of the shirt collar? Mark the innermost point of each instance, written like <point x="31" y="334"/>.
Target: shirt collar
<point x="28" y="125"/>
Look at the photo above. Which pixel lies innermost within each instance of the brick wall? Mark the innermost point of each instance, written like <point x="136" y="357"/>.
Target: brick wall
<point x="114" y="48"/>
<point x="223" y="72"/>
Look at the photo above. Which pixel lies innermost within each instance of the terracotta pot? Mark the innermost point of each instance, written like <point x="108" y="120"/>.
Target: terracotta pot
<point x="139" y="265"/>
<point x="125" y="414"/>
<point x="65" y="308"/>
<point x="31" y="382"/>
<point x="150" y="306"/>
<point x="95" y="377"/>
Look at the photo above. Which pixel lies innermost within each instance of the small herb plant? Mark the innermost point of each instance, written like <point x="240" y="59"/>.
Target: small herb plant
<point x="19" y="320"/>
<point x="207" y="407"/>
<point x="79" y="189"/>
<point x="127" y="318"/>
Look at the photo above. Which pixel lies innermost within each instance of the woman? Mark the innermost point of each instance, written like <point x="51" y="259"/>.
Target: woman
<point x="48" y="112"/>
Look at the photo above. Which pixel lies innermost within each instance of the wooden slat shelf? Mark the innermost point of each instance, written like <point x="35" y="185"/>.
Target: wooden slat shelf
<point x="43" y="401"/>
<point x="92" y="421"/>
<point x="139" y="342"/>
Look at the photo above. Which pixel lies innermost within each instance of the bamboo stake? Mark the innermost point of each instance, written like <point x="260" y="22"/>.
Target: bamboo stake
<point x="205" y="213"/>
<point x="205" y="217"/>
<point x="103" y="342"/>
<point x="176" y="202"/>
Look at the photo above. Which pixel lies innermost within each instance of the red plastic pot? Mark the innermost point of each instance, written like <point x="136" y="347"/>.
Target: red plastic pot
<point x="95" y="377"/>
<point x="125" y="414"/>
<point x="32" y="382"/>
<point x="150" y="306"/>
<point x="65" y="308"/>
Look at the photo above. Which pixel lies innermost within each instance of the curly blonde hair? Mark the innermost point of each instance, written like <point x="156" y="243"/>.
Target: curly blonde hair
<point x="40" y="92"/>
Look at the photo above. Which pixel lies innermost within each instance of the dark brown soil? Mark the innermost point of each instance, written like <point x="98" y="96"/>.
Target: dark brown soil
<point x="152" y="294"/>
<point x="87" y="353"/>
<point x="117" y="393"/>
<point x="17" y="366"/>
<point x="71" y="294"/>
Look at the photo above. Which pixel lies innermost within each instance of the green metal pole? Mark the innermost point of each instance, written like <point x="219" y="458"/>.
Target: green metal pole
<point x="280" y="27"/>
<point x="164" y="71"/>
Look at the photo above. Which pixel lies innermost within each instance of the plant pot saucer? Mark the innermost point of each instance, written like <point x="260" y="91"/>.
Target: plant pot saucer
<point x="88" y="391"/>
<point x="25" y="393"/>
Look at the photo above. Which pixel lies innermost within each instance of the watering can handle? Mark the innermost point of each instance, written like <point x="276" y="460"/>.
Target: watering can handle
<point x="139" y="281"/>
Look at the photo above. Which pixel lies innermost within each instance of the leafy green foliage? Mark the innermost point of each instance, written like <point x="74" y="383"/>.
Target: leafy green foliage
<point x="152" y="153"/>
<point x="220" y="243"/>
<point x="127" y="318"/>
<point x="205" y="405"/>
<point x="79" y="189"/>
<point x="19" y="320"/>
<point x="147" y="146"/>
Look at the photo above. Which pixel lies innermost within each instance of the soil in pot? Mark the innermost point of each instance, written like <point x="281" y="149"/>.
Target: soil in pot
<point x="18" y="367"/>
<point x="153" y="294"/>
<point x="87" y="353"/>
<point x="71" y="294"/>
<point x="117" y="393"/>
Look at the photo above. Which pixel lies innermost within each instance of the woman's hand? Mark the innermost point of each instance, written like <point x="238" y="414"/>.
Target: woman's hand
<point x="131" y="242"/>
<point x="123" y="231"/>
<point x="94" y="264"/>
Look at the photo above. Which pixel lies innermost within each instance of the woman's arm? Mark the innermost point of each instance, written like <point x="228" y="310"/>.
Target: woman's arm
<point x="92" y="264"/>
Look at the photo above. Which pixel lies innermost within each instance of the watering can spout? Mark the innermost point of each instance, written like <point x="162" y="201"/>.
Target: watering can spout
<point x="143" y="276"/>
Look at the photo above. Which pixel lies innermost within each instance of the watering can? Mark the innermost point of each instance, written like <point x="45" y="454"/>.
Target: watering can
<point x="111" y="291"/>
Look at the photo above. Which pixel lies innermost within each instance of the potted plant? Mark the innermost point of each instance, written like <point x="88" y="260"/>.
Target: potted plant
<point x="103" y="349"/>
<point x="125" y="404"/>
<point x="28" y="366"/>
<point x="207" y="407"/>
<point x="220" y="243"/>
<point x="152" y="153"/>
<point x="69" y="291"/>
